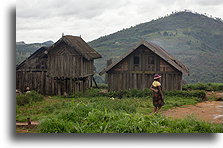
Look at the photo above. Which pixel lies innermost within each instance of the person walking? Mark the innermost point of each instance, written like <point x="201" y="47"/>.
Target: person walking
<point x="158" y="98"/>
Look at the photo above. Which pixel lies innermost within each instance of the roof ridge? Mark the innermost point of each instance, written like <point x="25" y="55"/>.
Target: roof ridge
<point x="180" y="64"/>
<point x="161" y="52"/>
<point x="41" y="49"/>
<point x="89" y="53"/>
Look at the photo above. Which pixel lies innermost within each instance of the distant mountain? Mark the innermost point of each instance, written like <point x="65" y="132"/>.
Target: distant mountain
<point x="20" y="43"/>
<point x="195" y="39"/>
<point x="24" y="50"/>
<point x="47" y="43"/>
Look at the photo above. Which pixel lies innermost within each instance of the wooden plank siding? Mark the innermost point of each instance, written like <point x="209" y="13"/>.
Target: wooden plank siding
<point x="126" y="75"/>
<point x="62" y="63"/>
<point x="122" y="81"/>
<point x="44" y="84"/>
<point x="66" y="66"/>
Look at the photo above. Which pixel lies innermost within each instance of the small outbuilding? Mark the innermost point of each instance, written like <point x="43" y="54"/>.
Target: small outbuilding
<point x="63" y="68"/>
<point x="135" y="70"/>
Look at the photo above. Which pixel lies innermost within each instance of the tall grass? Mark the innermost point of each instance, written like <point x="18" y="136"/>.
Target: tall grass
<point x="113" y="112"/>
<point x="98" y="121"/>
<point x="55" y="105"/>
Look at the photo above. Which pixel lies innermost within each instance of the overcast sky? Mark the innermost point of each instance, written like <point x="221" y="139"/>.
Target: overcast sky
<point x="43" y="20"/>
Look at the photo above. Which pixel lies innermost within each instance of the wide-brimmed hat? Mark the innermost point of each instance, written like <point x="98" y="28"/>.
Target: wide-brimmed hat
<point x="157" y="76"/>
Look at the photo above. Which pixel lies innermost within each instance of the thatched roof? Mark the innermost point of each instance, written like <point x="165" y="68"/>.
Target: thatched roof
<point x="157" y="50"/>
<point x="76" y="43"/>
<point x="79" y="45"/>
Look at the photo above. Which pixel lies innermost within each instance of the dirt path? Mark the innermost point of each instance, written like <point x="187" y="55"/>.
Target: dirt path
<point x="210" y="111"/>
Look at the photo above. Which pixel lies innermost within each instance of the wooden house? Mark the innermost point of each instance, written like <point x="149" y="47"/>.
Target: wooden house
<point x="65" y="67"/>
<point x="135" y="70"/>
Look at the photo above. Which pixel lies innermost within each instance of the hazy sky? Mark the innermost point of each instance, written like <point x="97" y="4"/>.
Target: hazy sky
<point x="42" y="20"/>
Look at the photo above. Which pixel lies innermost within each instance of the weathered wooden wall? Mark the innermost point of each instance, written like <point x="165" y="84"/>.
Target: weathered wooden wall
<point x="33" y="79"/>
<point x="127" y="75"/>
<point x="126" y="80"/>
<point x="61" y="70"/>
<point x="64" y="62"/>
<point x="39" y="81"/>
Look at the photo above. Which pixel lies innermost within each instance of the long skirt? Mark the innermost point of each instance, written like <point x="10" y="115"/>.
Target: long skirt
<point x="158" y="100"/>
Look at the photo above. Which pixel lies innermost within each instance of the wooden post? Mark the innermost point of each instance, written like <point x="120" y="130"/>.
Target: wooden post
<point x="28" y="121"/>
<point x="95" y="82"/>
<point x="109" y="62"/>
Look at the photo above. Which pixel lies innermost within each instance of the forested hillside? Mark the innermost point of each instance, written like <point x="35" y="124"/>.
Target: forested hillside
<point x="24" y="50"/>
<point x="194" y="39"/>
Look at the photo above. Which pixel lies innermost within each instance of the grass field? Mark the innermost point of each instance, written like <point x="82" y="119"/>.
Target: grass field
<point x="104" y="114"/>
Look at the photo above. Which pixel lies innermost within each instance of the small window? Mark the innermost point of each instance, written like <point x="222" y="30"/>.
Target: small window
<point x="151" y="60"/>
<point x="136" y="60"/>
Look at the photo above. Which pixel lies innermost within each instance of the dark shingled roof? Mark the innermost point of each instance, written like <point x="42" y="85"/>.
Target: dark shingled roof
<point x="79" y="45"/>
<point x="157" y="50"/>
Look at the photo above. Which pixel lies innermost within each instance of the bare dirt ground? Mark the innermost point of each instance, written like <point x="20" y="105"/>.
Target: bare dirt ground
<point x="218" y="95"/>
<point x="23" y="127"/>
<point x="210" y="111"/>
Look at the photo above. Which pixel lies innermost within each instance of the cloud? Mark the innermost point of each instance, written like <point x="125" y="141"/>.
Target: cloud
<point x="56" y="8"/>
<point x="207" y="2"/>
<point x="41" y="20"/>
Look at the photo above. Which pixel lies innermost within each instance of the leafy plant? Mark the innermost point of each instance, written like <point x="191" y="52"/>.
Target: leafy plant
<point x="106" y="113"/>
<point x="28" y="98"/>
<point x="23" y="99"/>
<point x="204" y="86"/>
<point x="98" y="121"/>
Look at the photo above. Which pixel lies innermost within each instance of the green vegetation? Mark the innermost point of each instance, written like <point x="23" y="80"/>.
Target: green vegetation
<point x="24" y="50"/>
<point x="96" y="112"/>
<point x="28" y="98"/>
<point x="194" y="39"/>
<point x="140" y="93"/>
<point x="204" y="86"/>
<point x="97" y="121"/>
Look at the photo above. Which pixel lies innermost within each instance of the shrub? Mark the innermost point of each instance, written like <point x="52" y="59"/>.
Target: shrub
<point x="204" y="86"/>
<point x="117" y="94"/>
<point x="195" y="93"/>
<point x="23" y="99"/>
<point x="144" y="93"/>
<point x="130" y="93"/>
<point x="77" y="94"/>
<point x="35" y="96"/>
<point x="92" y="92"/>
<point x="28" y="98"/>
<point x="139" y="93"/>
